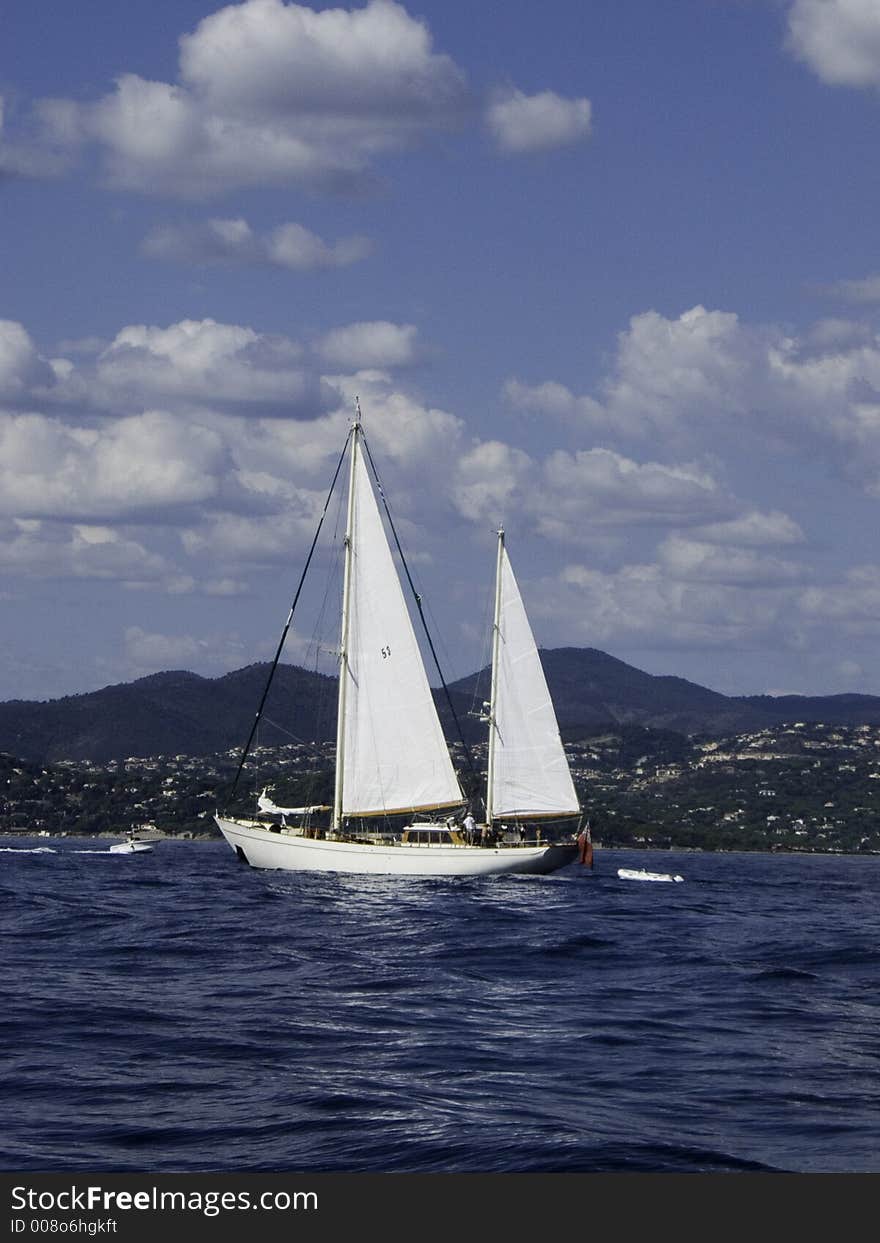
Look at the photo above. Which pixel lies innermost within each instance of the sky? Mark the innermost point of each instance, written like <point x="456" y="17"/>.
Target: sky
<point x="606" y="273"/>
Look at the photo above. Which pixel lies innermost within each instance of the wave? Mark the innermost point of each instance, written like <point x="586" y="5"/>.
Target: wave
<point x="28" y="850"/>
<point x="193" y="1014"/>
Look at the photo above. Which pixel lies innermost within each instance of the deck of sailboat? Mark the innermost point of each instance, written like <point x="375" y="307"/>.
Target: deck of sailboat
<point x="293" y="848"/>
<point x="505" y="841"/>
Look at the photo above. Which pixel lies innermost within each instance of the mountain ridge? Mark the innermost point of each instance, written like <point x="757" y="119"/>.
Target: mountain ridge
<point x="180" y="712"/>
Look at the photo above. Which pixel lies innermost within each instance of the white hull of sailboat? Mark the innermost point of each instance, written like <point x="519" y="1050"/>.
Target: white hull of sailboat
<point x="264" y="849"/>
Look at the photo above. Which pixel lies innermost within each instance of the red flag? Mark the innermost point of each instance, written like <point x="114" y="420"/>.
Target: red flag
<point x="585" y="842"/>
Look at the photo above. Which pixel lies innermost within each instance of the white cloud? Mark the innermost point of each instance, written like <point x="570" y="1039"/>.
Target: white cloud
<point x="190" y="366"/>
<point x="830" y="334"/>
<point x="853" y="601"/>
<point x="610" y="488"/>
<point x="82" y="345"/>
<point x="22" y="369"/>
<point x="865" y="291"/>
<point x="754" y="528"/>
<point x="372" y="344"/>
<point x="851" y="672"/>
<point x="272" y="93"/>
<point x="691" y="560"/>
<point x="709" y="587"/>
<point x="520" y="123"/>
<point x="152" y="652"/>
<point x="838" y="39"/>
<point x="185" y="584"/>
<point x="707" y="372"/>
<point x="700" y="595"/>
<point x="35" y="151"/>
<point x="264" y="57"/>
<point x="234" y="243"/>
<point x="293" y="246"/>
<point x="198" y="365"/>
<point x="275" y="93"/>
<point x="556" y="401"/>
<point x="130" y="468"/>
<point x="244" y="542"/>
<point x="283" y="469"/>
<point x="665" y="370"/>
<point x="702" y="363"/>
<point x="404" y="432"/>
<point x="568" y="494"/>
<point x="244" y="489"/>
<point x="35" y="549"/>
<point x="650" y="604"/>
<point x="489" y="481"/>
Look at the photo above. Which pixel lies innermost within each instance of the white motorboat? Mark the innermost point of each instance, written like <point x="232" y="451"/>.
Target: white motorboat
<point x="131" y="846"/>
<point x="642" y="874"/>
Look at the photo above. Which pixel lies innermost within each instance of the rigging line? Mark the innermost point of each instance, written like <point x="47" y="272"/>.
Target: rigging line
<point x="480" y="691"/>
<point x="331" y="579"/>
<point x="300" y="741"/>
<point x="286" y="629"/>
<point x="321" y="629"/>
<point x="418" y="599"/>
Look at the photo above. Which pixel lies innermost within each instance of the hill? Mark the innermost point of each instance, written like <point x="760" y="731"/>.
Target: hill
<point x="169" y="714"/>
<point x="592" y="691"/>
<point x="180" y="713"/>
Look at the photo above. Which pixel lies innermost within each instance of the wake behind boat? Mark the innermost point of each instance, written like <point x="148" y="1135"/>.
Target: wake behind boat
<point x="28" y="850"/>
<point x="398" y="807"/>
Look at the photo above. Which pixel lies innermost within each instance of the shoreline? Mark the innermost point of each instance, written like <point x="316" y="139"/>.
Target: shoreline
<point x="597" y="846"/>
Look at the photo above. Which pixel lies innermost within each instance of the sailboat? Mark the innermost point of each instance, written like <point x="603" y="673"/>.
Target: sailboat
<point x="392" y="761"/>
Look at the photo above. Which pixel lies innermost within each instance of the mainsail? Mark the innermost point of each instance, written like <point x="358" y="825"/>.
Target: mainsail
<point x="394" y="755"/>
<point x="529" y="773"/>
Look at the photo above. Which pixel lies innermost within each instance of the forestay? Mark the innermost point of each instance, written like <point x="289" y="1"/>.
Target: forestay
<point x="395" y="754"/>
<point x="530" y="772"/>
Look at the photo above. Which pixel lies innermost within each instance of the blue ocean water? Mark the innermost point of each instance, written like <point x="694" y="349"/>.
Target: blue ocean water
<point x="178" y="1011"/>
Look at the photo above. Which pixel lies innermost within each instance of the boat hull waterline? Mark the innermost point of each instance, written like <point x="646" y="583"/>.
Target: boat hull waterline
<point x="262" y="848"/>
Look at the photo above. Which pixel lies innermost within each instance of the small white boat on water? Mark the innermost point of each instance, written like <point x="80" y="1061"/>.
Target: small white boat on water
<point x="133" y="845"/>
<point x="642" y="874"/>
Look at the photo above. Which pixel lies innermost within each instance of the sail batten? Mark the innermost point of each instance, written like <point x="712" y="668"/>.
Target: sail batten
<point x="530" y="776"/>
<point x="396" y="757"/>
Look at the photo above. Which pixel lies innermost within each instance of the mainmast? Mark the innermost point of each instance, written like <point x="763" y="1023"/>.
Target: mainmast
<point x="496" y="641"/>
<point x="343" y="640"/>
